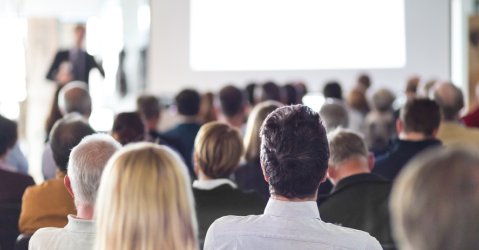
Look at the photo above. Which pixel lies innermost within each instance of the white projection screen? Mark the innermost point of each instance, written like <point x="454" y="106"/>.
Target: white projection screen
<point x="207" y="43"/>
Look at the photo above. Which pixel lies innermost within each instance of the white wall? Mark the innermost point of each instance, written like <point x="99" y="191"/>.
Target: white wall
<point x="427" y="41"/>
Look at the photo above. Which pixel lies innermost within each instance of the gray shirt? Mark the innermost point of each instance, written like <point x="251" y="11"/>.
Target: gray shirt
<point x="285" y="225"/>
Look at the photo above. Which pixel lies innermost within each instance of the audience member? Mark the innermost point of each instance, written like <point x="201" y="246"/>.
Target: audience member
<point x="188" y="105"/>
<point x="49" y="203"/>
<point x="412" y="86"/>
<point x="145" y="201"/>
<point x="17" y="159"/>
<point x="332" y="89"/>
<point x="435" y="201"/>
<point x="334" y="114"/>
<point x="249" y="176"/>
<point x="359" y="199"/>
<point x="294" y="156"/>
<point x="233" y="106"/>
<point x="129" y="127"/>
<point x="302" y="90"/>
<point x="291" y="94"/>
<point x="417" y="127"/>
<point x="54" y="115"/>
<point x="383" y="100"/>
<point x="358" y="109"/>
<point x="86" y="164"/>
<point x="250" y="93"/>
<point x="270" y="91"/>
<point x="218" y="150"/>
<point x="451" y="131"/>
<point x="363" y="83"/>
<point x="207" y="108"/>
<point x="471" y="119"/>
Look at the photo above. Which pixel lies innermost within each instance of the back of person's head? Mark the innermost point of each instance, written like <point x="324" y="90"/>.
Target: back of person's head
<point x="379" y="130"/>
<point x="66" y="134"/>
<point x="450" y="100"/>
<point x="87" y="161"/>
<point x="8" y="135"/>
<point x="291" y="93"/>
<point x="357" y="100"/>
<point x="188" y="102"/>
<point x="345" y="145"/>
<point x="420" y="115"/>
<point x="128" y="127"/>
<point x="74" y="97"/>
<point x="412" y="85"/>
<point x="270" y="91"/>
<point x="364" y="82"/>
<point x="207" y="108"/>
<point x="218" y="150"/>
<point x="383" y="100"/>
<point x="252" y="141"/>
<point x="145" y="201"/>
<point x="435" y="201"/>
<point x="333" y="89"/>
<point x="294" y="151"/>
<point x="149" y="107"/>
<point x="250" y="93"/>
<point x="232" y="101"/>
<point x="334" y="114"/>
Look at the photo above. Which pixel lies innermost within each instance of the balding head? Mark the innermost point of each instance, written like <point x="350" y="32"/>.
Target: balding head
<point x="450" y="101"/>
<point x="87" y="161"/>
<point x="74" y="97"/>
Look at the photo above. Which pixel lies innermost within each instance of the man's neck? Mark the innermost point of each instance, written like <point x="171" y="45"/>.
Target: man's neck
<point x="350" y="168"/>
<point x="85" y="212"/>
<point x="188" y="119"/>
<point x="235" y="121"/>
<point x="413" y="136"/>
<point x="282" y="198"/>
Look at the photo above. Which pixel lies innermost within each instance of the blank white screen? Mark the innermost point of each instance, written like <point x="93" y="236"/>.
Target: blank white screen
<point x="251" y="35"/>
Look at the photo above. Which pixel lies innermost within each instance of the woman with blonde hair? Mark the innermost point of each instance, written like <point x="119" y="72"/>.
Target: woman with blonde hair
<point x="145" y="201"/>
<point x="250" y="176"/>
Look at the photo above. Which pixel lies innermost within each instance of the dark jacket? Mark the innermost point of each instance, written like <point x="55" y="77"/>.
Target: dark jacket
<point x="64" y="56"/>
<point x="12" y="186"/>
<point x="221" y="201"/>
<point x="184" y="134"/>
<point x="360" y="202"/>
<point x="390" y="164"/>
<point x="249" y="176"/>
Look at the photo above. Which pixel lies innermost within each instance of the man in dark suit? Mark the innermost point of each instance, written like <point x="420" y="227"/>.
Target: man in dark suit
<point x="417" y="127"/>
<point x="359" y="199"/>
<point x="74" y="64"/>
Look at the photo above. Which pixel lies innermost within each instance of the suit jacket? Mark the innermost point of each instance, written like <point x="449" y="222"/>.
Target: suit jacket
<point x="360" y="202"/>
<point x="221" y="201"/>
<point x="12" y="186"/>
<point x="46" y="205"/>
<point x="64" y="56"/>
<point x="390" y="164"/>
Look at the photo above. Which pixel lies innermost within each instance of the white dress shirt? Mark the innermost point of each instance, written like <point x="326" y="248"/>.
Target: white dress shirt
<point x="77" y="234"/>
<point x="285" y="225"/>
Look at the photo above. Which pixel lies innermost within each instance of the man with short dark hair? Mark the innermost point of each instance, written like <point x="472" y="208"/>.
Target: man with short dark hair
<point x="48" y="204"/>
<point x="359" y="199"/>
<point x="233" y="105"/>
<point x="294" y="159"/>
<point x="417" y="127"/>
<point x="188" y="106"/>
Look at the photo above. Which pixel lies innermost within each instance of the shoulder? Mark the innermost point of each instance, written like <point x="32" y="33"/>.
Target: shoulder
<point x="42" y="237"/>
<point x="352" y="237"/>
<point x="45" y="187"/>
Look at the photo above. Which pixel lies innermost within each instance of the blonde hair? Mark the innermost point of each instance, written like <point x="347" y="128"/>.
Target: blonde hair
<point x="218" y="149"/>
<point x="256" y="118"/>
<point x="145" y="201"/>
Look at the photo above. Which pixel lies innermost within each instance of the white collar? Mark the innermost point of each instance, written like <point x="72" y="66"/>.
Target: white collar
<point x="292" y="209"/>
<point x="212" y="184"/>
<point x="79" y="225"/>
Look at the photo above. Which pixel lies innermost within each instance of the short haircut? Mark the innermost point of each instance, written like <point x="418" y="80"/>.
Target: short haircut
<point x="87" y="161"/>
<point x="364" y="80"/>
<point x="379" y="129"/>
<point x="250" y="93"/>
<point x="188" y="102"/>
<point x="270" y="91"/>
<point x="148" y="106"/>
<point x="333" y="89"/>
<point x="291" y="93"/>
<point x="435" y="201"/>
<point x="218" y="149"/>
<point x="294" y="151"/>
<point x="8" y="135"/>
<point x="74" y="97"/>
<point x="420" y="115"/>
<point x="345" y="145"/>
<point x="66" y="134"/>
<point x="383" y="100"/>
<point x="232" y="100"/>
<point x="450" y="100"/>
<point x="128" y="127"/>
<point x="334" y="114"/>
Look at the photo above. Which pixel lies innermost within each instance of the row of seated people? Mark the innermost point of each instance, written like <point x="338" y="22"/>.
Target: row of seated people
<point x="419" y="121"/>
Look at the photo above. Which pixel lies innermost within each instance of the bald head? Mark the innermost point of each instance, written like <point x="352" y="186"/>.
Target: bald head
<point x="74" y="97"/>
<point x="450" y="100"/>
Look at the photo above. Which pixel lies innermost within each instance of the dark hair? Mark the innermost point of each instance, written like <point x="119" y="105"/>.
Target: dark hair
<point x="188" y="102"/>
<point x="250" y="96"/>
<point x="271" y="91"/>
<point x="232" y="100"/>
<point x="294" y="151"/>
<point x="8" y="134"/>
<point x="66" y="134"/>
<point x="333" y="89"/>
<point x="421" y="115"/>
<point x="148" y="106"/>
<point x="128" y="127"/>
<point x="365" y="80"/>
<point x="291" y="94"/>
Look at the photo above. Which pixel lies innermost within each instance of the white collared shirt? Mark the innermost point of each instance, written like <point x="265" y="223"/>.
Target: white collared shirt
<point x="284" y="226"/>
<point x="77" y="234"/>
<point x="212" y="184"/>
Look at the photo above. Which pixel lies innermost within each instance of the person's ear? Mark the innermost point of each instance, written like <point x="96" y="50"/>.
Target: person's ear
<point x="196" y="167"/>
<point x="399" y="126"/>
<point x="68" y="185"/>
<point x="330" y="174"/>
<point x="266" y="177"/>
<point x="434" y="133"/>
<point x="371" y="161"/>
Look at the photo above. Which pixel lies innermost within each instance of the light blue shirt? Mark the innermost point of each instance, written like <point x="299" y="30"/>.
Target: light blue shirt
<point x="284" y="226"/>
<point x="16" y="159"/>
